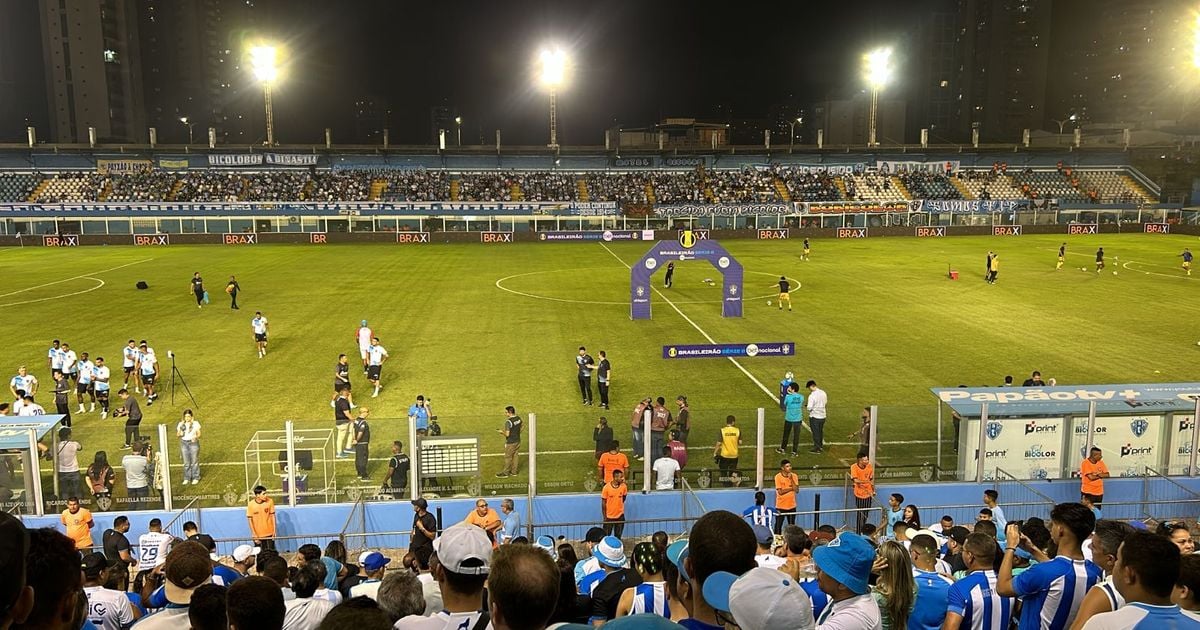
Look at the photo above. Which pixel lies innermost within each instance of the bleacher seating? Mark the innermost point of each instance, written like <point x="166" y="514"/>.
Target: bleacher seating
<point x="773" y="184"/>
<point x="17" y="187"/>
<point x="73" y="187"/>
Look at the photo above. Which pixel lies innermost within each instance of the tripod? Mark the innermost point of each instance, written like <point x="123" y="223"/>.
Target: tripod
<point x="175" y="373"/>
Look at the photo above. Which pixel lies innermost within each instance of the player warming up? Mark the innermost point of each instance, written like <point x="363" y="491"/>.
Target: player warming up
<point x="1187" y="261"/>
<point x="1099" y="260"/>
<point x="364" y="336"/>
<point x="1062" y="256"/>
<point x="667" y="279"/>
<point x="785" y="289"/>
<point x="259" y="326"/>
<point x="805" y="251"/>
<point x="376" y="355"/>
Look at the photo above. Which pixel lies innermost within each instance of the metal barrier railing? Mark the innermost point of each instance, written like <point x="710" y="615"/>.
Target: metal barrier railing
<point x="1019" y="499"/>
<point x="189" y="512"/>
<point x="1159" y="491"/>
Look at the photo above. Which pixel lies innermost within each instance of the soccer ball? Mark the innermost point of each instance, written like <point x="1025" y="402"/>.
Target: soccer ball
<point x="1083" y="268"/>
<point x="1114" y="273"/>
<point x="768" y="302"/>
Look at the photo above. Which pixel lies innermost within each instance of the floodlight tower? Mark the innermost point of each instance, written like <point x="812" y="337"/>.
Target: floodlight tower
<point x="262" y="63"/>
<point x="877" y="71"/>
<point x="553" y="62"/>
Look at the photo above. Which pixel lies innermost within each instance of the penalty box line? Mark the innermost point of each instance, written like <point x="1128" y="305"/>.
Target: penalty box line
<point x="700" y="330"/>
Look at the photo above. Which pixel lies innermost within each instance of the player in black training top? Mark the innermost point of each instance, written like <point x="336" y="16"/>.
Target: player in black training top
<point x="1099" y="259"/>
<point x="397" y="474"/>
<point x="198" y="288"/>
<point x="785" y="294"/>
<point x="670" y="274"/>
<point x="341" y="380"/>
<point x="1062" y="256"/>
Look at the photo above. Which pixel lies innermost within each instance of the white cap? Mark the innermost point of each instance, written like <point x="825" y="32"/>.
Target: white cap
<point x="241" y="552"/>
<point x="762" y="598"/>
<point x="464" y="549"/>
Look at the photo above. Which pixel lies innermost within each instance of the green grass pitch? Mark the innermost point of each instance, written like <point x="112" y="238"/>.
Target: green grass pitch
<point x="480" y="327"/>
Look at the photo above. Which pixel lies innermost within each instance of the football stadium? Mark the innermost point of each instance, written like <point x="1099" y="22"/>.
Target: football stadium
<point x="830" y="365"/>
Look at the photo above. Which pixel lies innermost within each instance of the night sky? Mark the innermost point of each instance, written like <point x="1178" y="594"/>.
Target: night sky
<point x="635" y="62"/>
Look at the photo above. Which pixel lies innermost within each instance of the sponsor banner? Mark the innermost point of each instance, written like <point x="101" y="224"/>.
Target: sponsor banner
<point x="318" y="238"/>
<point x="1028" y="448"/>
<point x="900" y="166"/>
<point x="151" y="239"/>
<point x="1179" y="457"/>
<point x="665" y="252"/>
<point x="173" y="164"/>
<point x="849" y="208"/>
<point x="690" y="162"/>
<point x="931" y="231"/>
<point x="254" y="159"/>
<point x="437" y="209"/>
<point x="105" y="167"/>
<point x="688" y="237"/>
<point x="1120" y="399"/>
<point x="241" y="238"/>
<point x="633" y="162"/>
<point x="1156" y="228"/>
<point x="1006" y="230"/>
<point x="823" y="169"/>
<point x="595" y="235"/>
<point x="721" y="210"/>
<point x="966" y="206"/>
<point x="593" y="208"/>
<point x="719" y="350"/>
<point x="495" y="237"/>
<point x="1083" y="228"/>
<point x="772" y="235"/>
<point x="852" y="232"/>
<point x="1130" y="443"/>
<point x="60" y="240"/>
<point x="413" y="238"/>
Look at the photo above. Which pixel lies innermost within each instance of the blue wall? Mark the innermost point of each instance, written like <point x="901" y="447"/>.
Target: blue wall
<point x="578" y="512"/>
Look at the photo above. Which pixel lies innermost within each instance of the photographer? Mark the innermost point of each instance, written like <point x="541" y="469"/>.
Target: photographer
<point x="132" y="413"/>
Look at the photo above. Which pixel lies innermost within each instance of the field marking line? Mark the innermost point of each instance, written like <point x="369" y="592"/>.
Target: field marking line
<point x="500" y="286"/>
<point x="82" y="275"/>
<point x="349" y="459"/>
<point x="1126" y="266"/>
<point x="58" y="297"/>
<point x="732" y="360"/>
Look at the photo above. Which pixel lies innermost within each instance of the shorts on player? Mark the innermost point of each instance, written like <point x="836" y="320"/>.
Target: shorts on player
<point x="102" y="394"/>
<point x="338" y="385"/>
<point x="128" y="370"/>
<point x="806" y="251"/>
<point x="785" y="297"/>
<point x="373" y="372"/>
<point x="260" y="337"/>
<point x="362" y="352"/>
<point x="1187" y="265"/>
<point x="1060" y="259"/>
<point x="83" y="388"/>
<point x="147" y="379"/>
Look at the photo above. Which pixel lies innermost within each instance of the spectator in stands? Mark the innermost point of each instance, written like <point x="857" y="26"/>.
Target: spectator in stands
<point x="1187" y="587"/>
<point x="276" y="568"/>
<point x="895" y="590"/>
<point x="523" y="588"/>
<point x="334" y="570"/>
<point x="719" y="541"/>
<point x="973" y="601"/>
<point x="1145" y="574"/>
<point x="188" y="566"/>
<point x="894" y="512"/>
<point x="589" y="564"/>
<point x="306" y="611"/>
<point x="1103" y="597"/>
<point x="463" y="555"/>
<point x="1071" y="524"/>
<point x="512" y="521"/>
<point x="842" y="572"/>
<point x="336" y="550"/>
<point x="929" y="607"/>
<point x="254" y="603"/>
<point x="1180" y="534"/>
<point x="207" y="609"/>
<point x="761" y="599"/>
<point x="484" y="518"/>
<point x="374" y="564"/>
<point x="360" y="613"/>
<point x="990" y="498"/>
<point x="116" y="544"/>
<point x="16" y="595"/>
<point x="400" y="595"/>
<point x="765" y="556"/>
<point x="52" y="572"/>
<point x="607" y="585"/>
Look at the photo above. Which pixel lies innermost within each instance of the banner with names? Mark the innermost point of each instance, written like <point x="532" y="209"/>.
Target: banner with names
<point x="256" y="159"/>
<point x="722" y="210"/>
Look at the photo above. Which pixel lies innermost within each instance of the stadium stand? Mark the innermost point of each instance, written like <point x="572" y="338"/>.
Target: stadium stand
<point x="986" y="184"/>
<point x="871" y="187"/>
<point x="341" y="186"/>
<point x="929" y="186"/>
<point x="210" y="186"/>
<point x="284" y="186"/>
<point x="415" y="186"/>
<point x="18" y="187"/>
<point x="72" y="187"/>
<point x="806" y="186"/>
<point x="147" y="185"/>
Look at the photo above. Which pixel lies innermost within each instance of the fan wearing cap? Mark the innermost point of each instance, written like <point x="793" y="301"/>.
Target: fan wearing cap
<point x="843" y="567"/>
<point x="652" y="595"/>
<point x="375" y="564"/>
<point x="588" y="564"/>
<point x="244" y="557"/>
<point x="16" y="597"/>
<point x="762" y="598"/>
<point x="719" y="541"/>
<point x="463" y="553"/>
<point x="764" y="557"/>
<point x="107" y="608"/>
<point x="187" y="567"/>
<point x="609" y="547"/>
<point x="615" y="579"/>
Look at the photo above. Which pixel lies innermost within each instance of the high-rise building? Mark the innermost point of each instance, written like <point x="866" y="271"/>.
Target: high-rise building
<point x="93" y="70"/>
<point x="21" y="76"/>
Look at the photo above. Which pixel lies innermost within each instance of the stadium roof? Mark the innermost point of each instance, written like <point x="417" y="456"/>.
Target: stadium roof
<point x="1129" y="398"/>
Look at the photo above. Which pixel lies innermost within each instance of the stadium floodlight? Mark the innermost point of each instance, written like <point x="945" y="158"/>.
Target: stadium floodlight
<point x="877" y="70"/>
<point x="262" y="64"/>
<point x="553" y="75"/>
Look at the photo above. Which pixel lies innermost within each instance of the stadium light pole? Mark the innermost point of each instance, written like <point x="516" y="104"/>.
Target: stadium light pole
<point x="458" y="128"/>
<point x="262" y="63"/>
<point x="189" y="125"/>
<point x="1062" y="123"/>
<point x="877" y="71"/>
<point x="792" y="134"/>
<point x="552" y="76"/>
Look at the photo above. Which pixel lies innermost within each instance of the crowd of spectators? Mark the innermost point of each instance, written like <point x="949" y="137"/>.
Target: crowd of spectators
<point x="144" y="185"/>
<point x="923" y="185"/>
<point x="73" y="187"/>
<point x="415" y="185"/>
<point x="341" y="186"/>
<point x="553" y="186"/>
<point x="745" y="186"/>
<point x="621" y="188"/>
<point x="276" y="186"/>
<point x="210" y="186"/>
<point x="808" y="185"/>
<point x="486" y="186"/>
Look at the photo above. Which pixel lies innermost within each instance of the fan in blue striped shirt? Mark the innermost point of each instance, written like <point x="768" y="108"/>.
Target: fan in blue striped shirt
<point x="1052" y="591"/>
<point x="761" y="513"/>
<point x="972" y="602"/>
